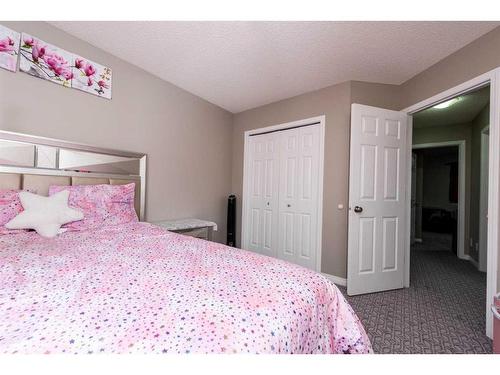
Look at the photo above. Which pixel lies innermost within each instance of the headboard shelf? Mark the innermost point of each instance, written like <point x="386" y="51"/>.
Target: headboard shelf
<point x="31" y="162"/>
<point x="34" y="139"/>
<point x="62" y="172"/>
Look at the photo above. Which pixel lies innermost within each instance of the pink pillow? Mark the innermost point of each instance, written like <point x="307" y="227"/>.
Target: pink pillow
<point x="10" y="207"/>
<point x="102" y="205"/>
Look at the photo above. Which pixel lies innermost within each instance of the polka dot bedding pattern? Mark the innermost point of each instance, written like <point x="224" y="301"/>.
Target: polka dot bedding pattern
<point x="136" y="288"/>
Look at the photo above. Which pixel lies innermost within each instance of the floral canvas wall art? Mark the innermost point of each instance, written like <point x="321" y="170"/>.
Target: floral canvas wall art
<point x="46" y="61"/>
<point x="9" y="48"/>
<point x="91" y="77"/>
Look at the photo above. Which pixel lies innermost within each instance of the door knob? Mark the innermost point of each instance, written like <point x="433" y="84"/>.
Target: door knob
<point x="358" y="209"/>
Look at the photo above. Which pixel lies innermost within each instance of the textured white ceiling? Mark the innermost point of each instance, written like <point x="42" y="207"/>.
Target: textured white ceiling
<point x="242" y="65"/>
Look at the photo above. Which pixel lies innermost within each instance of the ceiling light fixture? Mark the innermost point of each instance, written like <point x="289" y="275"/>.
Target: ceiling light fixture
<point x="446" y="104"/>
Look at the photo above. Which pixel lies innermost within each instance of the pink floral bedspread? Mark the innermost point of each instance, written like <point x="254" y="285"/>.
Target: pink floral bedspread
<point x="136" y="288"/>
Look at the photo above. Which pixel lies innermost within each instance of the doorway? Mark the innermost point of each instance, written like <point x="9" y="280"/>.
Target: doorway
<point x="446" y="254"/>
<point x="372" y="244"/>
<point x="481" y="234"/>
<point x="438" y="196"/>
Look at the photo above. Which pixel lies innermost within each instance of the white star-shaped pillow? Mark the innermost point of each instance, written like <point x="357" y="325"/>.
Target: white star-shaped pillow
<point x="44" y="214"/>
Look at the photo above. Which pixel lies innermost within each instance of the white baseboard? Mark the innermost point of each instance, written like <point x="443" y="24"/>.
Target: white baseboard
<point x="335" y="279"/>
<point x="470" y="259"/>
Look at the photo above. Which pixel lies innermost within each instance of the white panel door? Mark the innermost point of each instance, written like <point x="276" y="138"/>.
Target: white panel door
<point x="263" y="200"/>
<point x="298" y="195"/>
<point x="377" y="195"/>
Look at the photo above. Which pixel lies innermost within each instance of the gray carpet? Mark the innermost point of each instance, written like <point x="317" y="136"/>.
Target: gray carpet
<point x="443" y="311"/>
<point x="434" y="242"/>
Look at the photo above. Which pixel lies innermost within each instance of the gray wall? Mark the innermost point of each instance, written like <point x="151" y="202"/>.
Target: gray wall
<point x="376" y="94"/>
<point x="186" y="138"/>
<point x="192" y="165"/>
<point x="478" y="57"/>
<point x="474" y="59"/>
<point x="333" y="102"/>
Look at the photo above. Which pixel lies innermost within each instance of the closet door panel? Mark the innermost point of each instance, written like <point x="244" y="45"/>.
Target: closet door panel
<point x="299" y="161"/>
<point x="289" y="168"/>
<point x="307" y="197"/>
<point x="254" y="211"/>
<point x="263" y="220"/>
<point x="283" y="197"/>
<point x="287" y="220"/>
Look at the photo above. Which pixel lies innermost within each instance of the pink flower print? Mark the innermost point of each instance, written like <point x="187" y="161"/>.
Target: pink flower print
<point x="54" y="65"/>
<point x="29" y="42"/>
<point x="89" y="70"/>
<point x="79" y="63"/>
<point x="58" y="65"/>
<point x="102" y="84"/>
<point x="37" y="52"/>
<point x="56" y="59"/>
<point x="67" y="74"/>
<point x="7" y="45"/>
<point x="51" y="62"/>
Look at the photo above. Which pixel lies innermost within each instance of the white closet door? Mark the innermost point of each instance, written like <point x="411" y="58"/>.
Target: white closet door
<point x="298" y="195"/>
<point x="263" y="200"/>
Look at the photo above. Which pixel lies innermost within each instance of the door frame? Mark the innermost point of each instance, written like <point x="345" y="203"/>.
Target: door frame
<point x="491" y="78"/>
<point x="320" y="120"/>
<point x="413" y="216"/>
<point x="461" y="190"/>
<point x="483" y="198"/>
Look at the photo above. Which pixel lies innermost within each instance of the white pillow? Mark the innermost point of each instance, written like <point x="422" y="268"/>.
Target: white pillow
<point x="44" y="214"/>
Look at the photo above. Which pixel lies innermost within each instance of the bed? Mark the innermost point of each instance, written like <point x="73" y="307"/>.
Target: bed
<point x="137" y="288"/>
